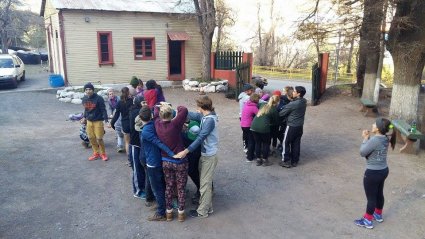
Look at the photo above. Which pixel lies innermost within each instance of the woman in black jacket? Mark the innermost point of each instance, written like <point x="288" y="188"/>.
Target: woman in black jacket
<point x="123" y="109"/>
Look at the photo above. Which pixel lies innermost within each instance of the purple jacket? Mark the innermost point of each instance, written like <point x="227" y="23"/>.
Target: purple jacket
<point x="249" y="111"/>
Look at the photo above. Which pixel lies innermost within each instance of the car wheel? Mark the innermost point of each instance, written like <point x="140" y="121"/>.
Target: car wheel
<point x="15" y="83"/>
<point x="23" y="76"/>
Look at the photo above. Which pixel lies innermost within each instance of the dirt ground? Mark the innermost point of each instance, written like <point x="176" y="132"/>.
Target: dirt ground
<point x="50" y="190"/>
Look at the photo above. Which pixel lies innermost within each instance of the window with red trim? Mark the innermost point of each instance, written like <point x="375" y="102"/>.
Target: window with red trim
<point x="104" y="41"/>
<point x="144" y="48"/>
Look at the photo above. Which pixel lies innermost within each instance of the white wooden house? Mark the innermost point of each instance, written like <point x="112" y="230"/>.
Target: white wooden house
<point x="112" y="40"/>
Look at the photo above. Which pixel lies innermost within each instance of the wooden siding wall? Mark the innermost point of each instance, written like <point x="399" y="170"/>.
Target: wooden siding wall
<point x="51" y="18"/>
<point x="82" y="50"/>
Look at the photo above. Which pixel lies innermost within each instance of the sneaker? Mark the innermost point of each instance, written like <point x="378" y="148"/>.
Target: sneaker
<point x="195" y="214"/>
<point x="157" y="217"/>
<point x="210" y="211"/>
<point x="120" y="150"/>
<point x="104" y="157"/>
<point x="294" y="165"/>
<point x="169" y="215"/>
<point x="249" y="160"/>
<point x="377" y="217"/>
<point x="94" y="156"/>
<point x="137" y="196"/>
<point x="363" y="222"/>
<point x="259" y="162"/>
<point x="285" y="164"/>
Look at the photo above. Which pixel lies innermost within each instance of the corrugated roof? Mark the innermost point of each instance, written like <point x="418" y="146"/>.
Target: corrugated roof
<point x="158" y="6"/>
<point x="178" y="36"/>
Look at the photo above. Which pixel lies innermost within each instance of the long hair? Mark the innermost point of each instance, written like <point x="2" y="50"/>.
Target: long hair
<point x="383" y="126"/>
<point x="125" y="92"/>
<point x="273" y="101"/>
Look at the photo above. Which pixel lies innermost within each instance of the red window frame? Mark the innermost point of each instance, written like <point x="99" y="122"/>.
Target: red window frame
<point x="143" y="49"/>
<point x="110" y="60"/>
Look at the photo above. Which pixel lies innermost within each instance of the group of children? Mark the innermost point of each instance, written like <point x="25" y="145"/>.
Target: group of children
<point x="164" y="145"/>
<point x="266" y="119"/>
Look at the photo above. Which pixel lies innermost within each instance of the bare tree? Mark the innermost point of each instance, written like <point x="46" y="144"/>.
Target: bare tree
<point x="205" y="12"/>
<point x="266" y="49"/>
<point x="406" y="44"/>
<point x="225" y="18"/>
<point x="6" y="12"/>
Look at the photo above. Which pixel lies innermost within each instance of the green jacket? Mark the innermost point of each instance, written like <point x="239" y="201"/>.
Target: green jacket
<point x="262" y="124"/>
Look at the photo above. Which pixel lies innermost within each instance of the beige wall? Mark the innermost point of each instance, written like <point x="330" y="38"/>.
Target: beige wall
<point x="51" y="18"/>
<point x="82" y="51"/>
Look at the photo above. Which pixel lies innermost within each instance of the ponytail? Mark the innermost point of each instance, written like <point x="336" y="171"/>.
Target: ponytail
<point x="384" y="126"/>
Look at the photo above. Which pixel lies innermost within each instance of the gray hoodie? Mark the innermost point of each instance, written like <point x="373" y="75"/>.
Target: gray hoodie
<point x="208" y="134"/>
<point x="375" y="150"/>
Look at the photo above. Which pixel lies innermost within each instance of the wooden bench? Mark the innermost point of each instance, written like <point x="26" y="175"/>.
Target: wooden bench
<point x="367" y="106"/>
<point x="404" y="135"/>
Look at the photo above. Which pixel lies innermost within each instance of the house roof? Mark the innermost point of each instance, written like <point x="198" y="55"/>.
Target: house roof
<point x="157" y="6"/>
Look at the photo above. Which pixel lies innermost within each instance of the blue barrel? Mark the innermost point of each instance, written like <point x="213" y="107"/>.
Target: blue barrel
<point x="56" y="80"/>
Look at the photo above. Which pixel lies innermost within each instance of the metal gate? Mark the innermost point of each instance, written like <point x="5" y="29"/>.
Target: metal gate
<point x="243" y="76"/>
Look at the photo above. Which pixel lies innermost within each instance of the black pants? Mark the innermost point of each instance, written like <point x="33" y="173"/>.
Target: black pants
<point x="262" y="144"/>
<point x="250" y="143"/>
<point x="373" y="183"/>
<point x="245" y="137"/>
<point x="274" y="133"/>
<point x="193" y="172"/>
<point x="292" y="144"/>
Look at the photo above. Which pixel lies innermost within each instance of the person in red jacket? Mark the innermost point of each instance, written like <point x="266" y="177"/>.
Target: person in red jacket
<point x="151" y="95"/>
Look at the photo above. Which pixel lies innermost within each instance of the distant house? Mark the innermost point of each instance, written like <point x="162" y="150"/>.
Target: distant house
<point x="111" y="40"/>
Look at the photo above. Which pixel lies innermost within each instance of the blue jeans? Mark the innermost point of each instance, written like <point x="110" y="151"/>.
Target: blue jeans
<point x="156" y="178"/>
<point x="138" y="170"/>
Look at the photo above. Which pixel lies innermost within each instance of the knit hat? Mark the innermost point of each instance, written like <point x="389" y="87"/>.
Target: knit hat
<point x="247" y="87"/>
<point x="193" y="130"/>
<point x="134" y="81"/>
<point x="88" y="86"/>
<point x="145" y="113"/>
<point x="277" y="92"/>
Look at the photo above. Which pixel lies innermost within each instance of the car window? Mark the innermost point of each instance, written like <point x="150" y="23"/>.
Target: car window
<point x="6" y="63"/>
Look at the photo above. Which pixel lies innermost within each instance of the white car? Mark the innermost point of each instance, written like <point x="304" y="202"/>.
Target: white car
<point x="12" y="70"/>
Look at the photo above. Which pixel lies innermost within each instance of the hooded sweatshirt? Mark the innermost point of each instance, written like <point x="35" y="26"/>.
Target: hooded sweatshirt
<point x="243" y="98"/>
<point x="249" y="111"/>
<point x="94" y="108"/>
<point x="208" y="134"/>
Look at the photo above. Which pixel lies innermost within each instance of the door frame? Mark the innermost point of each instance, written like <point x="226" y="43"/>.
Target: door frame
<point x="176" y="77"/>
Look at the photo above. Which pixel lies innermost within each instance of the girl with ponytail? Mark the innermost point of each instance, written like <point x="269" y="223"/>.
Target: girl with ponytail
<point x="375" y="149"/>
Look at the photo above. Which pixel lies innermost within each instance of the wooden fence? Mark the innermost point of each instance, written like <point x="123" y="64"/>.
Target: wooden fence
<point x="227" y="60"/>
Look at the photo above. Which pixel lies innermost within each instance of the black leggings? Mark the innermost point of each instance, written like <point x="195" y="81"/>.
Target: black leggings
<point x="373" y="183"/>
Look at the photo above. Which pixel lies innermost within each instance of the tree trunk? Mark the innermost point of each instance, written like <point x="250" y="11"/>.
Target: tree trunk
<point x="206" y="60"/>
<point x="217" y="44"/>
<point x="373" y="15"/>
<point x="205" y="11"/>
<point x="350" y="56"/>
<point x="4" y="41"/>
<point x="407" y="46"/>
<point x="361" y="64"/>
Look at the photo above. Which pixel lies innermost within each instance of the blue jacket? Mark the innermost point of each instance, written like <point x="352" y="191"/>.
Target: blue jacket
<point x="208" y="135"/>
<point x="153" y="146"/>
